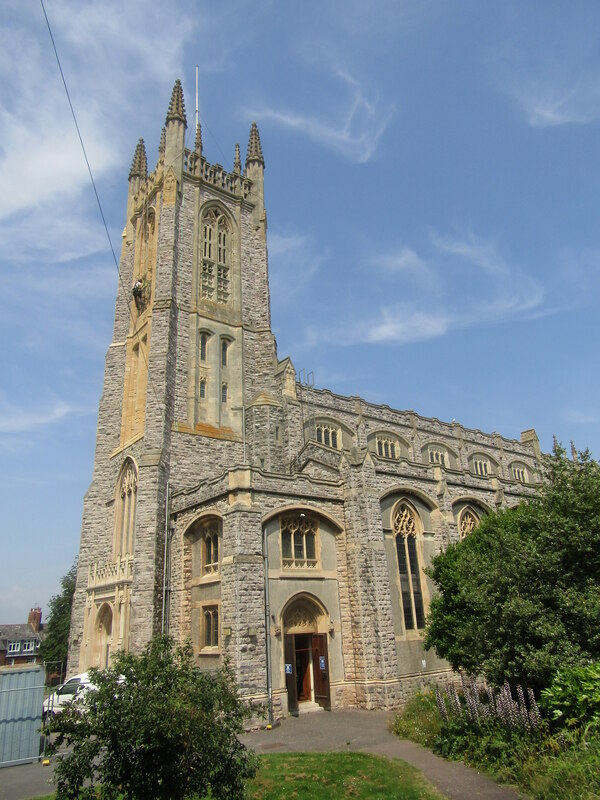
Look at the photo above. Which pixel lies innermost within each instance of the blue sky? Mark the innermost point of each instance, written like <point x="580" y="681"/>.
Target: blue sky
<point x="433" y="192"/>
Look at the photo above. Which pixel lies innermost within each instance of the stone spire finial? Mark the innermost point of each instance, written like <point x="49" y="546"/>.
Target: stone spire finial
<point x="574" y="455"/>
<point x="198" y="144"/>
<point x="139" y="165"/>
<point x="554" y="444"/>
<point x="254" y="149"/>
<point x="177" y="106"/>
<point x="163" y="142"/>
<point x="237" y="161"/>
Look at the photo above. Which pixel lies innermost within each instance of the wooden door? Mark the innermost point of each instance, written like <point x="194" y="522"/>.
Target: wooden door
<point x="321" y="670"/>
<point x="290" y="672"/>
<point x="303" y="649"/>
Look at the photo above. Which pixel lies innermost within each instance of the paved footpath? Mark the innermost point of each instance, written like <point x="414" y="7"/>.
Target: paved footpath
<point x="366" y="731"/>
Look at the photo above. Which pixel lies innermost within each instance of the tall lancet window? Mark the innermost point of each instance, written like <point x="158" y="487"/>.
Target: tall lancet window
<point x="125" y="509"/>
<point x="409" y="568"/>
<point x="215" y="278"/>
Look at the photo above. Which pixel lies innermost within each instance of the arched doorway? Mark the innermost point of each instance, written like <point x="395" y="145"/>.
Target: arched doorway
<point x="305" y="624"/>
<point x="103" y="637"/>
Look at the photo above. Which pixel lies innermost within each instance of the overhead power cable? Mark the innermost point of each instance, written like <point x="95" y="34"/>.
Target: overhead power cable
<point x="112" y="249"/>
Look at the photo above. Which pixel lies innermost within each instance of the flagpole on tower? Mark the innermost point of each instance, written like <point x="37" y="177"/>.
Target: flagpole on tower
<point x="196" y="96"/>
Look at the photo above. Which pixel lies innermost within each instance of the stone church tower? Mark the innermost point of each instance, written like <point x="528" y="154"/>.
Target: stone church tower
<point x="279" y="525"/>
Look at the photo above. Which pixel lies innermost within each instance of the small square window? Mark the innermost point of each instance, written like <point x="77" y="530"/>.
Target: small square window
<point x="14" y="647"/>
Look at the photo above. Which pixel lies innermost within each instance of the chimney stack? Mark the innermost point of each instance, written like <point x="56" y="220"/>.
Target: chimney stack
<point x="35" y="618"/>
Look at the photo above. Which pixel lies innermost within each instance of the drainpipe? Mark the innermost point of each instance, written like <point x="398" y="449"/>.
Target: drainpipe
<point x="268" y="632"/>
<point x="164" y="628"/>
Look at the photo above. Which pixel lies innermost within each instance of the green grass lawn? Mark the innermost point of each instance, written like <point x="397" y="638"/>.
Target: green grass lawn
<point x="329" y="776"/>
<point x="335" y="776"/>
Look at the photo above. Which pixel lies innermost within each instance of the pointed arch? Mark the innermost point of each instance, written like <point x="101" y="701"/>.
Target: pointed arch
<point x="216" y="239"/>
<point x="407" y="527"/>
<point x="125" y="509"/>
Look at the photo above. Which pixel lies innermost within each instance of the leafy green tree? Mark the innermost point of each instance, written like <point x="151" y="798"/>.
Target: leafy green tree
<point x="154" y="728"/>
<point x="55" y="645"/>
<point x="519" y="598"/>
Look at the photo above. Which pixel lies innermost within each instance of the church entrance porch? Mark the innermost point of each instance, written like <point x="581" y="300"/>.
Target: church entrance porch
<point x="306" y="657"/>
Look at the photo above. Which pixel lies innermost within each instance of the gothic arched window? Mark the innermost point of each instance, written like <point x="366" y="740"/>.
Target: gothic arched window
<point x="405" y="530"/>
<point x="299" y="542"/>
<point x="215" y="277"/>
<point x="125" y="509"/>
<point x="467" y="523"/>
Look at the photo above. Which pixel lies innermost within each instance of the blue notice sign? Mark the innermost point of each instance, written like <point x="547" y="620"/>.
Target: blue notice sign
<point x="322" y="663"/>
<point x="288" y="669"/>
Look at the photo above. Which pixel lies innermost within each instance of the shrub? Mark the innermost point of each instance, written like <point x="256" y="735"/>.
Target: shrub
<point x="419" y="720"/>
<point x="156" y="728"/>
<point x="573" y="698"/>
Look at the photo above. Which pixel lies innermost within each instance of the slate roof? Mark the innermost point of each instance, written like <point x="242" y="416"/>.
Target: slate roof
<point x="18" y="633"/>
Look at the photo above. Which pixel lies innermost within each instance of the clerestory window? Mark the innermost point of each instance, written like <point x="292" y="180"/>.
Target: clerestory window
<point x="299" y="542"/>
<point x="438" y="456"/>
<point x="481" y="467"/>
<point x="328" y="435"/>
<point x="387" y="448"/>
<point x="519" y="473"/>
<point x="215" y="269"/>
<point x="411" y="595"/>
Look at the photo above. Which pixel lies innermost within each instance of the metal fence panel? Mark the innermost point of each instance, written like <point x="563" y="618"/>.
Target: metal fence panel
<point x="21" y="698"/>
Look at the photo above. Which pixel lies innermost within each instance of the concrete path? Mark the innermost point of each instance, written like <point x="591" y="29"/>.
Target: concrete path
<point x="366" y="731"/>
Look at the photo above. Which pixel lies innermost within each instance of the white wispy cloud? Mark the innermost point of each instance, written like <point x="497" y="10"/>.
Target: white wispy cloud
<point x="18" y="420"/>
<point x="577" y="103"/>
<point x="353" y="131"/>
<point x="553" y="78"/>
<point x="294" y="260"/>
<point x="407" y="263"/>
<point x="462" y="281"/>
<point x="42" y="169"/>
<point x="579" y="417"/>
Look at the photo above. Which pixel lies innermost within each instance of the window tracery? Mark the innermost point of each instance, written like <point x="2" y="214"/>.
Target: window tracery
<point x="328" y="435"/>
<point x="519" y="472"/>
<point x="298" y="542"/>
<point x="387" y="448"/>
<point x="210" y="548"/>
<point x="215" y="270"/>
<point x="125" y="510"/>
<point x="211" y="626"/>
<point x="405" y="528"/>
<point x="438" y="456"/>
<point x="468" y="522"/>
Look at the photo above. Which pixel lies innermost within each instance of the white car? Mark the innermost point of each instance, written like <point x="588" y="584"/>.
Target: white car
<point x="71" y="689"/>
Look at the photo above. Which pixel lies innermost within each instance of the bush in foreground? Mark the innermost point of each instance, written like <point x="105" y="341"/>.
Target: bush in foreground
<point x="500" y="733"/>
<point x="519" y="598"/>
<point x="156" y="728"/>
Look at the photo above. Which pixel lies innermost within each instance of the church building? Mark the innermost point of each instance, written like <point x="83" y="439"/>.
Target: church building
<point x="281" y="526"/>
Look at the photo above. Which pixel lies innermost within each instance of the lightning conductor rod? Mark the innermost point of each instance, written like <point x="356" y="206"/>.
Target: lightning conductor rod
<point x="196" y="96"/>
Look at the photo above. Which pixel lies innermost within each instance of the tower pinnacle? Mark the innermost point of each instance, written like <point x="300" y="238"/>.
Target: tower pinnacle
<point x="198" y="144"/>
<point x="254" y="149"/>
<point x="177" y="106"/>
<point x="163" y="142"/>
<point x="139" y="165"/>
<point x="237" y="161"/>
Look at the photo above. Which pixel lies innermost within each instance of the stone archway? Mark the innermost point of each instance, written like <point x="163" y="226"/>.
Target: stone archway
<point x="102" y="637"/>
<point x="305" y="624"/>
